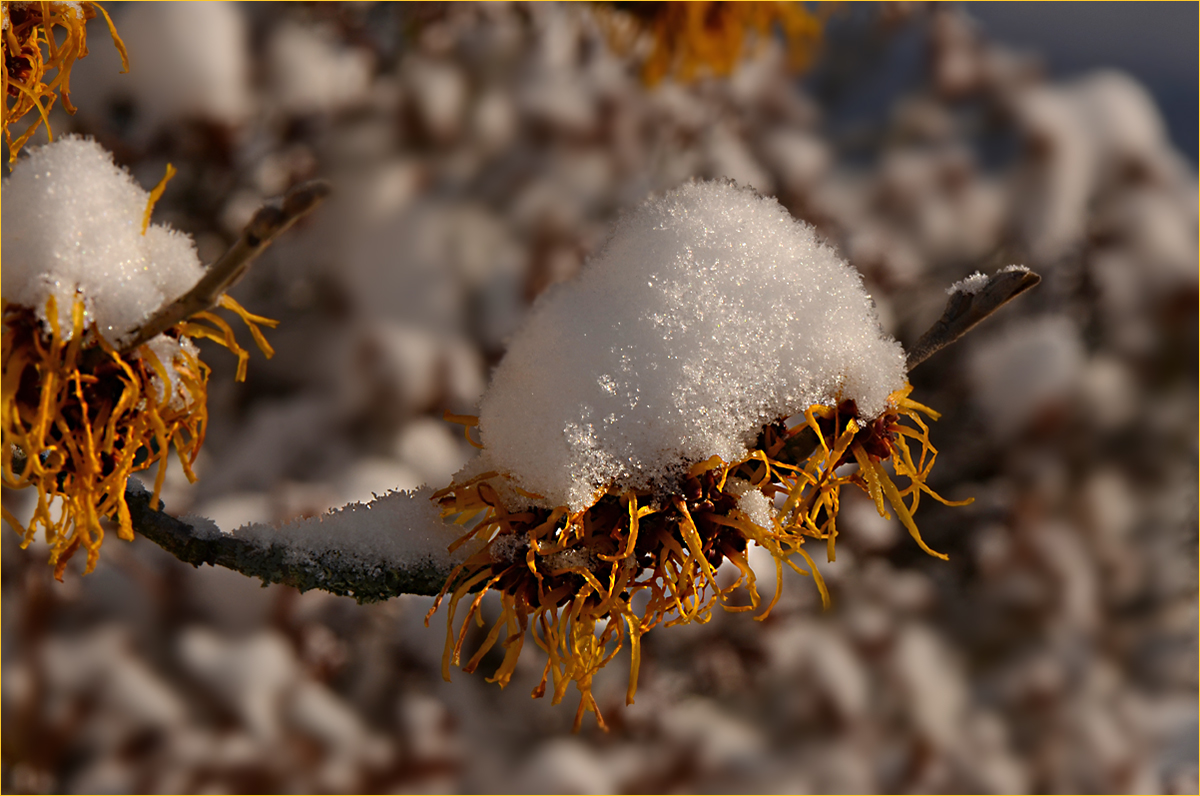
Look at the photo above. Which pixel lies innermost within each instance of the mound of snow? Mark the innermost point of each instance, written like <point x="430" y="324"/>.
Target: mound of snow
<point x="73" y="227"/>
<point x="708" y="313"/>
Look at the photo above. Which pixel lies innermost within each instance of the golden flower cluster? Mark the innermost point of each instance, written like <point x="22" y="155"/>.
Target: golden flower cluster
<point x="691" y="40"/>
<point x="80" y="416"/>
<point x="32" y="52"/>
<point x="572" y="580"/>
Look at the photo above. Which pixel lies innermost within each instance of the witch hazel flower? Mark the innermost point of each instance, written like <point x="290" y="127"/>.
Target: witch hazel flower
<point x="84" y="402"/>
<point x="700" y="388"/>
<point x="690" y="40"/>
<point x="40" y="43"/>
<point x="712" y="380"/>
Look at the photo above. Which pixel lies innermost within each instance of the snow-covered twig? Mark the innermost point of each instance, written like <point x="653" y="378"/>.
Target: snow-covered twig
<point x="197" y="541"/>
<point x="273" y="560"/>
<point x="634" y="440"/>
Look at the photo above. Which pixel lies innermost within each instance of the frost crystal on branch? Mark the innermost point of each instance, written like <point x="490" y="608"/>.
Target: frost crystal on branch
<point x="399" y="531"/>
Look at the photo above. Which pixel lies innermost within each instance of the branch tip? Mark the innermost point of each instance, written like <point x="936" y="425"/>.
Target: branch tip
<point x="965" y="310"/>
<point x="270" y="221"/>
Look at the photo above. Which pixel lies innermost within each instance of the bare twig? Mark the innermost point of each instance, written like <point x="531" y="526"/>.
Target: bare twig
<point x="963" y="313"/>
<point x="965" y="310"/>
<point x="268" y="223"/>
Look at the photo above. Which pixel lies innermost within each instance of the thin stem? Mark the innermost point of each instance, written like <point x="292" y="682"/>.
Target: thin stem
<point x="964" y="311"/>
<point x="268" y="223"/>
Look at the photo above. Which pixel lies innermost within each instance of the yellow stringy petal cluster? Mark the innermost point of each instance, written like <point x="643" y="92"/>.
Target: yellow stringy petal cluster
<point x="32" y="52"/>
<point x="79" y="416"/>
<point x="690" y="40"/>
<point x="570" y="580"/>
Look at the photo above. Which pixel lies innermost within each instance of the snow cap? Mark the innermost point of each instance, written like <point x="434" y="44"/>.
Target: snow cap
<point x="708" y="313"/>
<point x="73" y="226"/>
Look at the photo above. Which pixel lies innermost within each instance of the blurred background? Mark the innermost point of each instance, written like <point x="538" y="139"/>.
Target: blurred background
<point x="479" y="152"/>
